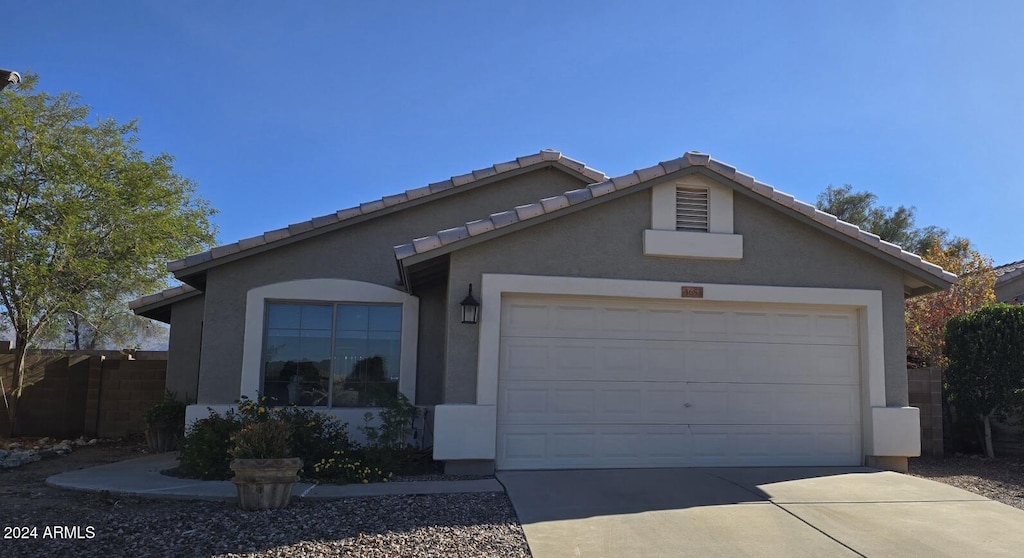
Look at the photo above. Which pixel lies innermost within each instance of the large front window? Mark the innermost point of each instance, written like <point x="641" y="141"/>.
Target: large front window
<point x="337" y="355"/>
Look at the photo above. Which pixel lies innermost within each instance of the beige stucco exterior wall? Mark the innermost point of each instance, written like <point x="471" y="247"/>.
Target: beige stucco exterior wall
<point x="1006" y="292"/>
<point x="361" y="252"/>
<point x="605" y="241"/>
<point x="184" y="346"/>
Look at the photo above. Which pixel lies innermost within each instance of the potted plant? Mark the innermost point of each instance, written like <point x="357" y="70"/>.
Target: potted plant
<point x="165" y="424"/>
<point x="264" y="472"/>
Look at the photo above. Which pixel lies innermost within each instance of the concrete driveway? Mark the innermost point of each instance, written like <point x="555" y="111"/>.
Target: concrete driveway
<point x="787" y="512"/>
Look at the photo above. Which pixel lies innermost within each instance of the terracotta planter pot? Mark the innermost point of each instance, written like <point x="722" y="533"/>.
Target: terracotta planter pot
<point x="163" y="436"/>
<point x="265" y="484"/>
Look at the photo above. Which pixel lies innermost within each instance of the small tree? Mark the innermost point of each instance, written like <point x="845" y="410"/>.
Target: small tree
<point x="985" y="375"/>
<point x="83" y="212"/>
<point x="927" y="315"/>
<point x="892" y="225"/>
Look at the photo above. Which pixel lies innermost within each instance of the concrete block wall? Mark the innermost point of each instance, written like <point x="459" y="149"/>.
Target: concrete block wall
<point x="925" y="386"/>
<point x="127" y="389"/>
<point x="91" y="393"/>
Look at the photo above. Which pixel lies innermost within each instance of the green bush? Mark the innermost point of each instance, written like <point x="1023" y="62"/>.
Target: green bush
<point x="167" y="411"/>
<point x="319" y="439"/>
<point x="388" y="446"/>
<point x="204" y="450"/>
<point x="985" y="376"/>
<point x="262" y="440"/>
<point x="315" y="437"/>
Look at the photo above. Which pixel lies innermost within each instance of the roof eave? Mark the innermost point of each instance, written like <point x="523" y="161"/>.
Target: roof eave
<point x="766" y="197"/>
<point x="161" y="310"/>
<point x="194" y="275"/>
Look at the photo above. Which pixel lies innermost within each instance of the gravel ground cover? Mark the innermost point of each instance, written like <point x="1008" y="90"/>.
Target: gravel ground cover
<point x="1001" y="479"/>
<point x="82" y="524"/>
<point x="407" y="526"/>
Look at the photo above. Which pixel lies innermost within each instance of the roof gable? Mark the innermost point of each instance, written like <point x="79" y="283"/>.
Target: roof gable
<point x="197" y="263"/>
<point x="1008" y="272"/>
<point x="451" y="239"/>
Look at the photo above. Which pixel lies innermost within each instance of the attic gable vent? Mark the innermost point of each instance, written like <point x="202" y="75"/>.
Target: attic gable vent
<point x="692" y="209"/>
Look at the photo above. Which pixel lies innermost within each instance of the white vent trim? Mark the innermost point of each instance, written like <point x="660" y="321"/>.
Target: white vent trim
<point x="693" y="209"/>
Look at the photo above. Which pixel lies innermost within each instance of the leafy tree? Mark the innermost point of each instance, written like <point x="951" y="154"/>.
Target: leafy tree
<point x="926" y="316"/>
<point x="892" y="225"/>
<point x="83" y="213"/>
<point x="101" y="321"/>
<point x="985" y="376"/>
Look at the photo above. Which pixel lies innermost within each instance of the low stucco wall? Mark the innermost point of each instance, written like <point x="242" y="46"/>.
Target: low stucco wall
<point x="605" y="241"/>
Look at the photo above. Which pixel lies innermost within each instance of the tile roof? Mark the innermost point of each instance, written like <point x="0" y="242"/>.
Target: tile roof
<point x="546" y="156"/>
<point x="690" y="159"/>
<point x="162" y="296"/>
<point x="1009" y="272"/>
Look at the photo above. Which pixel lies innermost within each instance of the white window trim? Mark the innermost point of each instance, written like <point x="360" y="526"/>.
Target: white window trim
<point x="719" y="243"/>
<point x="334" y="291"/>
<point x="885" y="430"/>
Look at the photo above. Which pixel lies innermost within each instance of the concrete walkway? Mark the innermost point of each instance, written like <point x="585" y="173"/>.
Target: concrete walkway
<point x="142" y="477"/>
<point x="787" y="512"/>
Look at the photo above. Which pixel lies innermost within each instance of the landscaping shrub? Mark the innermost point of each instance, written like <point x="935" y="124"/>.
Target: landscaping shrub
<point x="985" y="376"/>
<point x="204" y="450"/>
<point x="168" y="411"/>
<point x="261" y="440"/>
<point x="388" y="447"/>
<point x="319" y="439"/>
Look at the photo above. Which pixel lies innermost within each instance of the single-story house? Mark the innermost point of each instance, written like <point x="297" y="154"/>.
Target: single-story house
<point x="680" y="315"/>
<point x="1010" y="282"/>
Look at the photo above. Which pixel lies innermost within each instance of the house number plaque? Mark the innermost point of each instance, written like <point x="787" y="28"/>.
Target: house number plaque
<point x="693" y="292"/>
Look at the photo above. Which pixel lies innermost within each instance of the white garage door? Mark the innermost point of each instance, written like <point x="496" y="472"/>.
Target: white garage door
<point x="605" y="383"/>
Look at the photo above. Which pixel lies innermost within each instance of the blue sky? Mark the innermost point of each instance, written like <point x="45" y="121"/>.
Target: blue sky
<point x="281" y="113"/>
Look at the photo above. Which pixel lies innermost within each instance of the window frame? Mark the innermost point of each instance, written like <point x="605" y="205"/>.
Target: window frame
<point x="328" y="291"/>
<point x="333" y="336"/>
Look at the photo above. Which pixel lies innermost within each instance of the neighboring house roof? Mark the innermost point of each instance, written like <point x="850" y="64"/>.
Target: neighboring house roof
<point x="1009" y="272"/>
<point x="562" y="203"/>
<point x="331" y="221"/>
<point x="157" y="306"/>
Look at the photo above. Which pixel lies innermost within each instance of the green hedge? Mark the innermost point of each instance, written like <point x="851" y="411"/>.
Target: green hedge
<point x="986" y="361"/>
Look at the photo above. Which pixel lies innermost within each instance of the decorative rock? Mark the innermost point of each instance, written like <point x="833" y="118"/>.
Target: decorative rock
<point x="19" y="458"/>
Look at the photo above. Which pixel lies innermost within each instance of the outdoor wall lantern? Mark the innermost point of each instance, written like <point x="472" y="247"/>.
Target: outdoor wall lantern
<point x="470" y="308"/>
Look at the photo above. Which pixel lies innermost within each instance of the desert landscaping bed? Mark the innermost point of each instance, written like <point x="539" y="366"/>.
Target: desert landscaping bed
<point x="424" y="525"/>
<point x="1001" y="479"/>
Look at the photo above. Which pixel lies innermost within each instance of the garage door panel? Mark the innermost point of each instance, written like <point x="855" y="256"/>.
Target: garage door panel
<point x="717" y="403"/>
<point x="588" y="382"/>
<point x="762" y="445"/>
<point x="592" y="319"/>
<point x="562" y="402"/>
<point x="645" y="360"/>
<point x="576" y="446"/>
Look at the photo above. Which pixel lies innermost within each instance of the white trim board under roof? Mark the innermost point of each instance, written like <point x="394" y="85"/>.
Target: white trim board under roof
<point x="193" y="265"/>
<point x="929" y="275"/>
